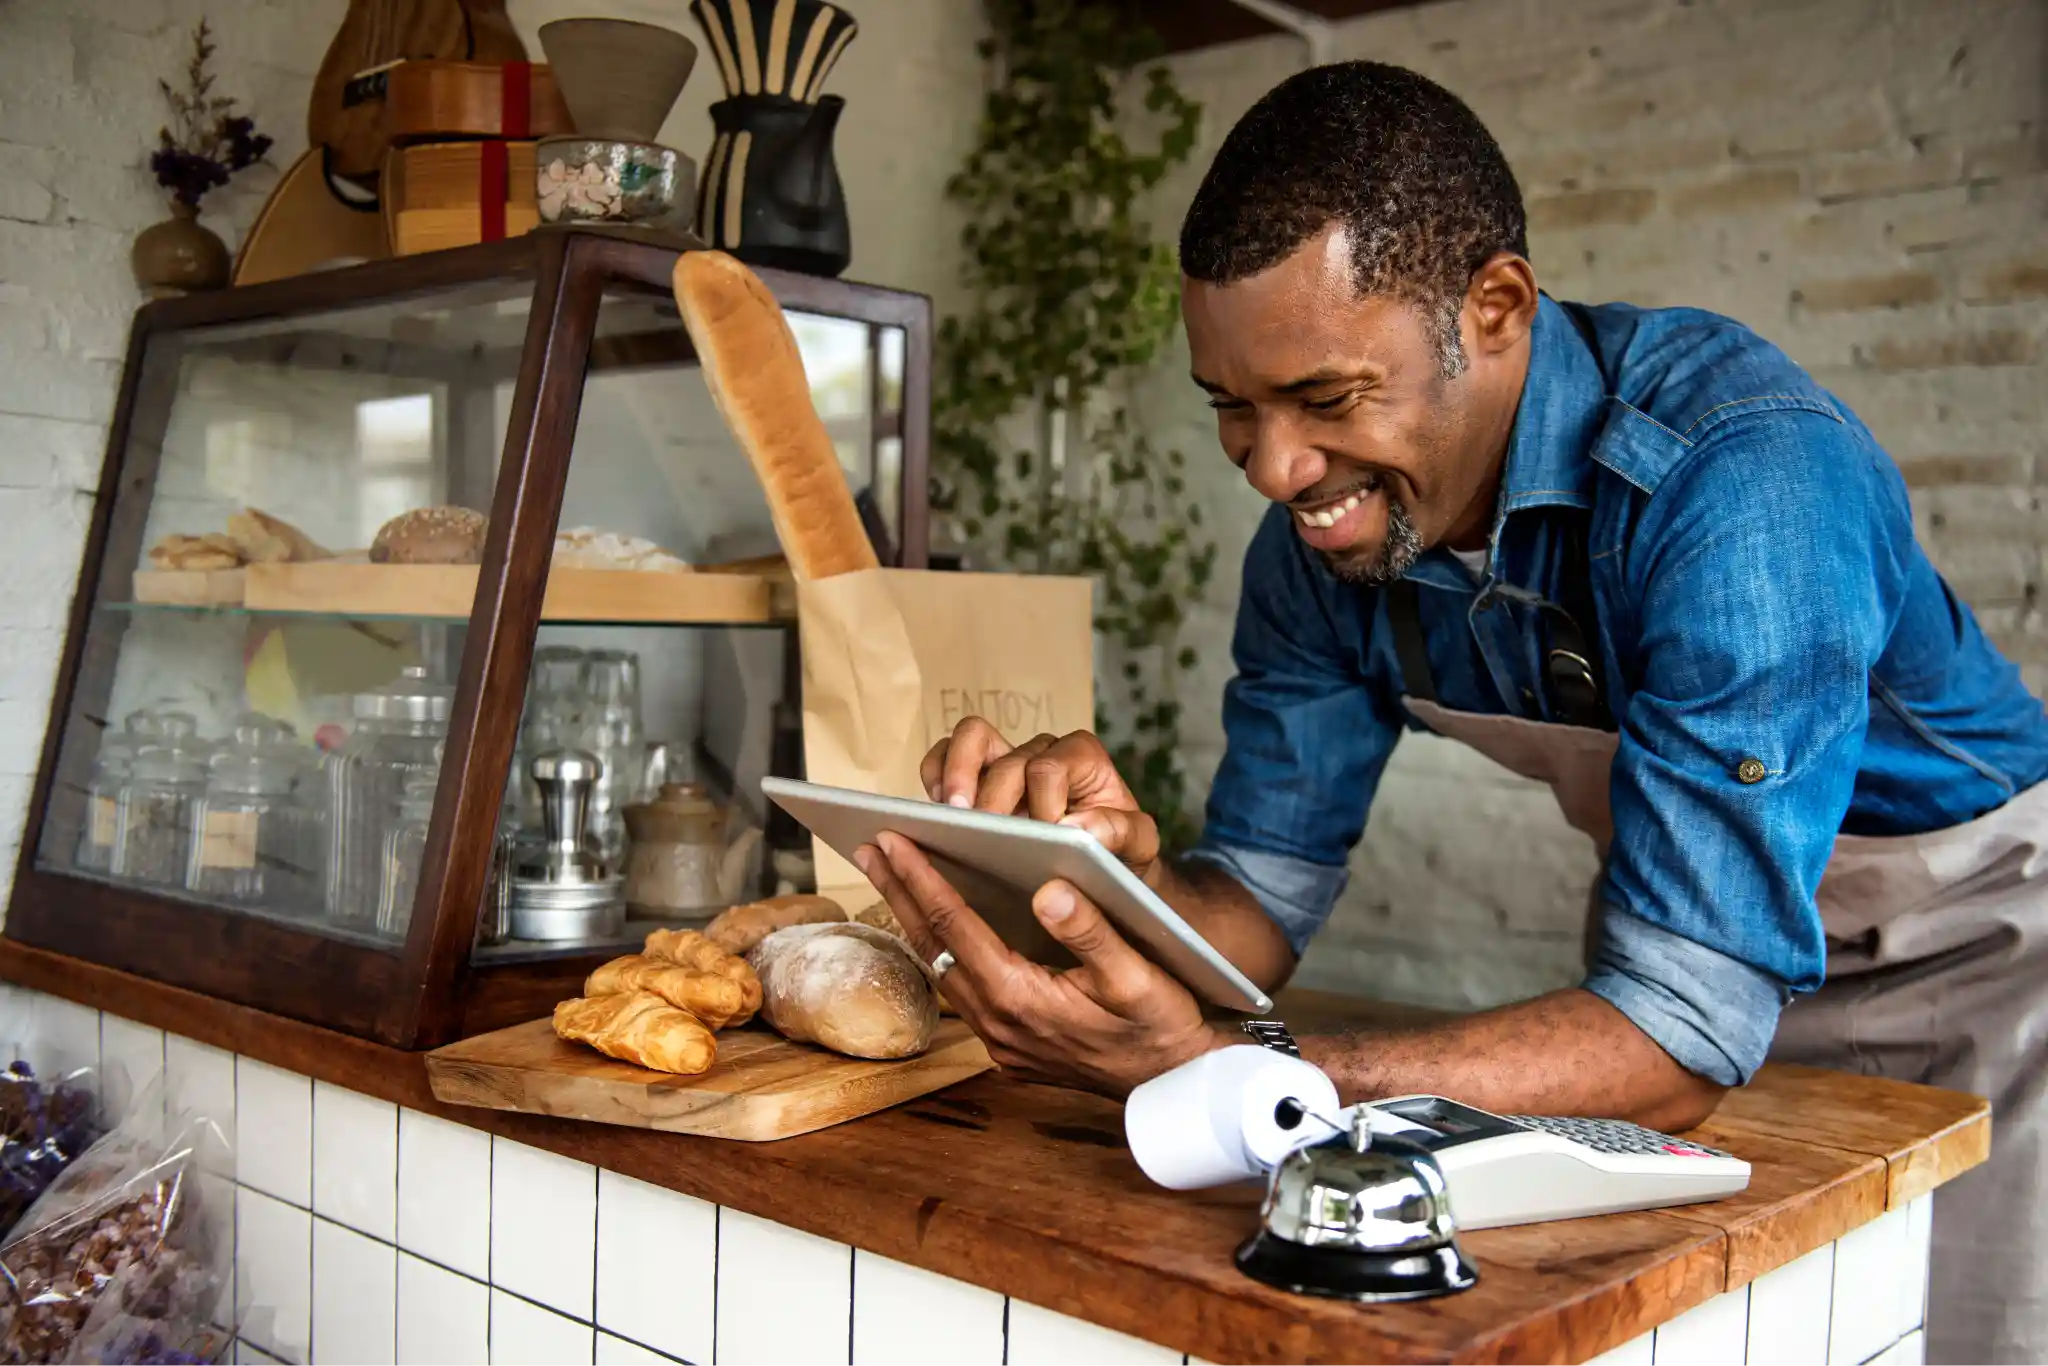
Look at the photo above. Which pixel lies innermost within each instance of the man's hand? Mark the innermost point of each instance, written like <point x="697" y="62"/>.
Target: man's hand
<point x="1107" y="1025"/>
<point x="1067" y="780"/>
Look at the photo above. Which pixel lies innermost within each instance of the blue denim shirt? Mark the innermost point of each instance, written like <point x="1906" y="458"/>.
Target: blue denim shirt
<point x="1760" y="595"/>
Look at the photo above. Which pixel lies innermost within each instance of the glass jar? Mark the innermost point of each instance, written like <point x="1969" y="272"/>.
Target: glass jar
<point x="245" y="843"/>
<point x="405" y="849"/>
<point x="155" y="838"/>
<point x="111" y="769"/>
<point x="397" y="730"/>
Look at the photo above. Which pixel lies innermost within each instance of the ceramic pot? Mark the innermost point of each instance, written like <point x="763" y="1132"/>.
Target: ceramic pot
<point x="179" y="255"/>
<point x="585" y="180"/>
<point x="782" y="48"/>
<point x="772" y="195"/>
<point x="619" y="78"/>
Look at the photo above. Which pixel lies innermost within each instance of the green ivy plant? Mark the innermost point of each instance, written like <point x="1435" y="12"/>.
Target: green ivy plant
<point x="1072" y="296"/>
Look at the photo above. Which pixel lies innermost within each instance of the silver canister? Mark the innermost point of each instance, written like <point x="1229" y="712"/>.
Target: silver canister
<point x="566" y="890"/>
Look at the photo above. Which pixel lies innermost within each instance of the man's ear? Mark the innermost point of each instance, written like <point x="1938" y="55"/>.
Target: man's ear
<point x="1500" y="303"/>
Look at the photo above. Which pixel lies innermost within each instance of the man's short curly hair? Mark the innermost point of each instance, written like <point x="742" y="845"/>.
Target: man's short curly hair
<point x="1409" y="170"/>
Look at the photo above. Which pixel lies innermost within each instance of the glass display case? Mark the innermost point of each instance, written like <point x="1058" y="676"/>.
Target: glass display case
<point x="433" y="637"/>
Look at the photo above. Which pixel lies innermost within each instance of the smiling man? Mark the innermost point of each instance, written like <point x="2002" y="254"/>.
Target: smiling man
<point x="1638" y="555"/>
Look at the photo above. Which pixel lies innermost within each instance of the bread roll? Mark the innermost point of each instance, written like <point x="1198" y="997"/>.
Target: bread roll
<point x="740" y="928"/>
<point x="436" y="535"/>
<point x="853" y="988"/>
<point x="689" y="949"/>
<point x="264" y="539"/>
<point x="717" y="1001"/>
<point x="191" y="553"/>
<point x="756" y="376"/>
<point x="639" y="1027"/>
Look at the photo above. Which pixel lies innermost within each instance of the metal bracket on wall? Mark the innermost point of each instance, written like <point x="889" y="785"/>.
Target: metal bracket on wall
<point x="1319" y="33"/>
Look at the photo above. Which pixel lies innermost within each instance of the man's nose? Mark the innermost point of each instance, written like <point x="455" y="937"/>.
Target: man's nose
<point x="1281" y="465"/>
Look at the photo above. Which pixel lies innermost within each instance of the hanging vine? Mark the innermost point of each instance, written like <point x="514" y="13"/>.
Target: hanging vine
<point x="1072" y="297"/>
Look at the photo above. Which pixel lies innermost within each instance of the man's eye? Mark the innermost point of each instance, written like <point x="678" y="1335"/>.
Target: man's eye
<point x="1329" y="405"/>
<point x="1227" y="405"/>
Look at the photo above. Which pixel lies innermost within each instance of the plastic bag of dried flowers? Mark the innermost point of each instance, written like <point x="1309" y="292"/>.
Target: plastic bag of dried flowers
<point x="123" y="1228"/>
<point x="43" y="1126"/>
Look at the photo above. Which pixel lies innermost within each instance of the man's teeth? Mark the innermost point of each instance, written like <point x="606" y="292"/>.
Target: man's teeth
<point x="1330" y="516"/>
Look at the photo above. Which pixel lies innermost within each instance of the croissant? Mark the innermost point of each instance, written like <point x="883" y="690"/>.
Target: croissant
<point x="689" y="949"/>
<point x="639" y="1027"/>
<point x="714" y="999"/>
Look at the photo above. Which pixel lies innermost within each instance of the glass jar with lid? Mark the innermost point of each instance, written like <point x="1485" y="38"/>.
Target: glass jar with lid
<point x="155" y="828"/>
<point x="396" y="732"/>
<point x="405" y="849"/>
<point x="111" y="769"/>
<point x="246" y="838"/>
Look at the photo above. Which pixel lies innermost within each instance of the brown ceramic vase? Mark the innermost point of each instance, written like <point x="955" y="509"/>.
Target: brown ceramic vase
<point x="179" y="255"/>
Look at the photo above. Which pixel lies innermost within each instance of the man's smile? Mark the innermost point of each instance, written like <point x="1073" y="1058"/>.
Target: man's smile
<point x="1333" y="524"/>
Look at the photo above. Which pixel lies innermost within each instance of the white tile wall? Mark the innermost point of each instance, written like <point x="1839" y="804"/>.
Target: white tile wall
<point x="131" y="1062"/>
<point x="525" y="1334"/>
<point x="1041" y="1337"/>
<point x="355" y="1160"/>
<point x="543" y="1227"/>
<point x="274" y="1273"/>
<point x="355" y="1296"/>
<point x="907" y="1314"/>
<point x="1710" y="1334"/>
<point x="1789" y="1311"/>
<point x="664" y="1299"/>
<point x="442" y="1317"/>
<point x="274" y="1131"/>
<point x="444" y="1193"/>
<point x="765" y="1269"/>
<point x="361" y="1232"/>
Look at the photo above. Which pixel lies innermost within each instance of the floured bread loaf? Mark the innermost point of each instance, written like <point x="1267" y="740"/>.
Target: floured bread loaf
<point x="756" y="376"/>
<point x="853" y="988"/>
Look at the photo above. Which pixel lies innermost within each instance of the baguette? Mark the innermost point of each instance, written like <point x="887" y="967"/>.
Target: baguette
<point x="739" y="928"/>
<point x="756" y="377"/>
<point x="639" y="1027"/>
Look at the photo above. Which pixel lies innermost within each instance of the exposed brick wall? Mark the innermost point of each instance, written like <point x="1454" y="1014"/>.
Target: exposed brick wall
<point x="1860" y="180"/>
<point x="79" y="108"/>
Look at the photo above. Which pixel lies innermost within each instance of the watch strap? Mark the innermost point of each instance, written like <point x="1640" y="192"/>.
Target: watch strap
<point x="1274" y="1035"/>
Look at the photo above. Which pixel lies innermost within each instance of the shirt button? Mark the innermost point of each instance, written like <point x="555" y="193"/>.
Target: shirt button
<point x="1528" y="699"/>
<point x="1750" y="771"/>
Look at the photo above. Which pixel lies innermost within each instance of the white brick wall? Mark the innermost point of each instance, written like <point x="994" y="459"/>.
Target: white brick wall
<point x="1862" y="181"/>
<point x="79" y="109"/>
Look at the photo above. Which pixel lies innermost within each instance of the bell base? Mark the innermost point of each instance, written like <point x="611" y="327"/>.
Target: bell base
<point x="1364" y="1277"/>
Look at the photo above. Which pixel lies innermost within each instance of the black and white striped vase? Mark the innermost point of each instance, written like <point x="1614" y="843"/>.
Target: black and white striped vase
<point x="771" y="193"/>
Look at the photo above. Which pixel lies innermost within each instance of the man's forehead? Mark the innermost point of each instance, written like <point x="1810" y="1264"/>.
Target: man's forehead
<point x="1241" y="337"/>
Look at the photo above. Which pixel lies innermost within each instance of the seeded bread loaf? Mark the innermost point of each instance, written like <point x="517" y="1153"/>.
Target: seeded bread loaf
<point x="435" y="535"/>
<point x="756" y="376"/>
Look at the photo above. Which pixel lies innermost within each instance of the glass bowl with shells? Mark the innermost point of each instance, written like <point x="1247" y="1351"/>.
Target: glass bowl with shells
<point x="596" y="180"/>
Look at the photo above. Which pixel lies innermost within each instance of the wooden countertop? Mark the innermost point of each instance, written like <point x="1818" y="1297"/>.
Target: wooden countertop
<point x="1030" y="1191"/>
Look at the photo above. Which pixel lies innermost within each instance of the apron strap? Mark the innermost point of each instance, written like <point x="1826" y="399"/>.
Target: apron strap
<point x="1404" y="614"/>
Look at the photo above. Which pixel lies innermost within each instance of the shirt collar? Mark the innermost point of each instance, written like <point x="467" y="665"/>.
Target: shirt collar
<point x="1564" y="398"/>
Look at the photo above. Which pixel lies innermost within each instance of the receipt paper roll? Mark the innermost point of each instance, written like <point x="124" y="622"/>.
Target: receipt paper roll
<point x="1213" y="1121"/>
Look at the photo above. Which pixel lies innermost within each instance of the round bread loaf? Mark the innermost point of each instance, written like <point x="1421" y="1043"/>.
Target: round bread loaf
<point x="853" y="988"/>
<point x="435" y="535"/>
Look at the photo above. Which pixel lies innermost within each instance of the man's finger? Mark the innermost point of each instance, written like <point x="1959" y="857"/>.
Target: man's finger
<point x="1121" y="978"/>
<point x="1132" y="836"/>
<point x="960" y="992"/>
<point x="1003" y="781"/>
<point x="975" y="744"/>
<point x="945" y="914"/>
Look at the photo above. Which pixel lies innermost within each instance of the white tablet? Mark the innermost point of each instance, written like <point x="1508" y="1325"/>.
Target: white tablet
<point x="998" y="862"/>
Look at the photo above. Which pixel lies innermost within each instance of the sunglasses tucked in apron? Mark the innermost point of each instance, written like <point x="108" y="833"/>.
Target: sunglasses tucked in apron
<point x="1938" y="973"/>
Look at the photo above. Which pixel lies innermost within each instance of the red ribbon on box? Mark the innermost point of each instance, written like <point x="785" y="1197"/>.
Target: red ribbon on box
<point x="493" y="187"/>
<point x="515" y="100"/>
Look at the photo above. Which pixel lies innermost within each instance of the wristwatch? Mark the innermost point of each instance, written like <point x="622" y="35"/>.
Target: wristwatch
<point x="1272" y="1034"/>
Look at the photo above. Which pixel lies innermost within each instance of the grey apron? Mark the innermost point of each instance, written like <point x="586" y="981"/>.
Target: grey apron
<point x="1937" y="972"/>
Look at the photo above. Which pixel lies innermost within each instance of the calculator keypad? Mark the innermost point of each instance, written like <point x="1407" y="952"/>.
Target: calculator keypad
<point x="1615" y="1136"/>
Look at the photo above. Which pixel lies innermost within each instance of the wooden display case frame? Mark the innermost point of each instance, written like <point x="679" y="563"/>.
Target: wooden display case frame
<point x="427" y="991"/>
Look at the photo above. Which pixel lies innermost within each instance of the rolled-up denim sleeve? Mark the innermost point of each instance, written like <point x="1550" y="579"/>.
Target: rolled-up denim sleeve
<point x="1768" y="576"/>
<point x="1305" y="738"/>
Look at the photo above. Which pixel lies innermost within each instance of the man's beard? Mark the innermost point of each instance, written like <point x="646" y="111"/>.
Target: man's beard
<point x="1397" y="554"/>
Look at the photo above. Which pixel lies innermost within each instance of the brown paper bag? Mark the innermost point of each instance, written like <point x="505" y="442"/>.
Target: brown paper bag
<point x="893" y="659"/>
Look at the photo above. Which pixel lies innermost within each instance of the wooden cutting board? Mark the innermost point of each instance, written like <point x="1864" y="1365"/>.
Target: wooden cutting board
<point x="762" y="1087"/>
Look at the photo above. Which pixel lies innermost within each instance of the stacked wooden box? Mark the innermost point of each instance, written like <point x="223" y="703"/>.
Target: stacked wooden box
<point x="461" y="165"/>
